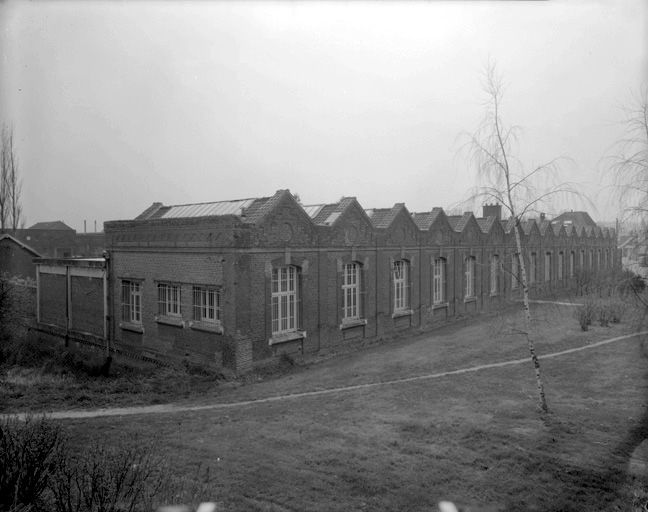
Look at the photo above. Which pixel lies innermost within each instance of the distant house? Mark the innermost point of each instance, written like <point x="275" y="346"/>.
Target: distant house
<point x="576" y="219"/>
<point x="16" y="258"/>
<point x="55" y="239"/>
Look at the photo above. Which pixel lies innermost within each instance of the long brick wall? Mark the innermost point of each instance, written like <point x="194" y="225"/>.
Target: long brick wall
<point x="237" y="255"/>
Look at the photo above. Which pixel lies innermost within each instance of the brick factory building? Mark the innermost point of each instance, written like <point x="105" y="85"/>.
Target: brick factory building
<point x="236" y="282"/>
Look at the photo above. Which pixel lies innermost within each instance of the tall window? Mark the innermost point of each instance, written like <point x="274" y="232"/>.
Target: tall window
<point x="561" y="264"/>
<point x="533" y="263"/>
<point x="606" y="259"/>
<point x="206" y="304"/>
<point x="572" y="263"/>
<point x="470" y="277"/>
<point x="285" y="299"/>
<point x="438" y="281"/>
<point x="401" y="286"/>
<point x="351" y="291"/>
<point x="547" y="267"/>
<point x="591" y="259"/>
<point x="516" y="278"/>
<point x="168" y="299"/>
<point x="131" y="301"/>
<point x="598" y="259"/>
<point x="581" y="262"/>
<point x="494" y="274"/>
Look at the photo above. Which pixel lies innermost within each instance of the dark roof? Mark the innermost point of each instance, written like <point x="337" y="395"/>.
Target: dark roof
<point x="574" y="218"/>
<point x="327" y="214"/>
<point x="383" y="217"/>
<point x="508" y="224"/>
<point x="19" y="243"/>
<point x="424" y="220"/>
<point x="463" y="221"/>
<point x="55" y="225"/>
<point x="485" y="224"/>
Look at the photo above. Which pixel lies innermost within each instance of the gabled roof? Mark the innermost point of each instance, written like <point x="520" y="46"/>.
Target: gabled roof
<point x="574" y="218"/>
<point x="383" y="217"/>
<point x="507" y="225"/>
<point x="543" y="226"/>
<point x="485" y="224"/>
<point x="6" y="236"/>
<point x="459" y="222"/>
<point x="327" y="214"/>
<point x="527" y="226"/>
<point x="56" y="225"/>
<point x="424" y="220"/>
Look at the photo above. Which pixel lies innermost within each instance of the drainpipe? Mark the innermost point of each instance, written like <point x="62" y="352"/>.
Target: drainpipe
<point x="107" y="316"/>
<point x="68" y="304"/>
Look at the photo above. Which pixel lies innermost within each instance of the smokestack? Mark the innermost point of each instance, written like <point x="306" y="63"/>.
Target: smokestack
<point x="84" y="226"/>
<point x="95" y="226"/>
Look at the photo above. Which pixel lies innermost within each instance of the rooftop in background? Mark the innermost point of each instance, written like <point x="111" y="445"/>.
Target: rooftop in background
<point x="55" y="225"/>
<point x="238" y="207"/>
<point x="577" y="219"/>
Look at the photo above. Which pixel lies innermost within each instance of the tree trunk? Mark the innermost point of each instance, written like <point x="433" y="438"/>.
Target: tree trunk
<point x="527" y="320"/>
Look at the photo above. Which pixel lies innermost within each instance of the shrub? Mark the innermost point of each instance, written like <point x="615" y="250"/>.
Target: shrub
<point x="603" y="314"/>
<point x="29" y="451"/>
<point x="104" y="479"/>
<point x="585" y="314"/>
<point x="617" y="309"/>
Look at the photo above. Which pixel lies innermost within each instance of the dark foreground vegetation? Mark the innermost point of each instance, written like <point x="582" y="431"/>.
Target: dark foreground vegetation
<point x="43" y="470"/>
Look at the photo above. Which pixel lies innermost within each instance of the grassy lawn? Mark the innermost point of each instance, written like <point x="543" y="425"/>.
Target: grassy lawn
<point x="474" y="438"/>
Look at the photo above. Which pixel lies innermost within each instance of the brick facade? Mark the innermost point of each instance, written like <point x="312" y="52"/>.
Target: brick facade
<point x="237" y="250"/>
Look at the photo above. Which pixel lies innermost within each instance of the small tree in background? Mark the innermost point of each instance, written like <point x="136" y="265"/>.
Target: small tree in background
<point x="508" y="183"/>
<point x="629" y="160"/>
<point x="11" y="216"/>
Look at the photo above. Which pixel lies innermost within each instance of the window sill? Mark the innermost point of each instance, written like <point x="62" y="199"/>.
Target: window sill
<point x="175" y="321"/>
<point x="440" y="305"/>
<point x="470" y="299"/>
<point x="355" y="322"/>
<point x="129" y="326"/>
<point x="206" y="327"/>
<point x="286" y="336"/>
<point x="404" y="312"/>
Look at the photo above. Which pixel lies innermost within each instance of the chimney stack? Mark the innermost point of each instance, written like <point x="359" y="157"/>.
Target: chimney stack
<point x="84" y="226"/>
<point x="492" y="210"/>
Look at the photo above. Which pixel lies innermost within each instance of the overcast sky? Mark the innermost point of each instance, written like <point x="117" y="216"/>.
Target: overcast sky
<point x="116" y="105"/>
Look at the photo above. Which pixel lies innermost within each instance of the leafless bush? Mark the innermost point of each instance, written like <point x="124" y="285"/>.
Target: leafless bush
<point x="585" y="314"/>
<point x="29" y="451"/>
<point x="104" y="479"/>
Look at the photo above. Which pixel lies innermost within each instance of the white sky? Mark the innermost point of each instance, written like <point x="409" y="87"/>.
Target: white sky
<point x="116" y="105"/>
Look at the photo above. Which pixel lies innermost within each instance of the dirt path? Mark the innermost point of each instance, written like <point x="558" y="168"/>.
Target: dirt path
<point x="177" y="408"/>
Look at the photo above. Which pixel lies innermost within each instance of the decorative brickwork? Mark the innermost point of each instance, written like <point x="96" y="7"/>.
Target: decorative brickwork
<point x="239" y="252"/>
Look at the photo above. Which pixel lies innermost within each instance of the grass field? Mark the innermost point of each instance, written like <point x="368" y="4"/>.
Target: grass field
<point x="475" y="438"/>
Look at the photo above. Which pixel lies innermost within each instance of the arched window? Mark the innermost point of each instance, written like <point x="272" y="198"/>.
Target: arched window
<point x="533" y="264"/>
<point x="494" y="274"/>
<point x="572" y="263"/>
<point x="470" y="277"/>
<point x="351" y="291"/>
<point x="401" y="276"/>
<point x="547" y="267"/>
<point x="561" y="265"/>
<point x="285" y="299"/>
<point x="438" y="281"/>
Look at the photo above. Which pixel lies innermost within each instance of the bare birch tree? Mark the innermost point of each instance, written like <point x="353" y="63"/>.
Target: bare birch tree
<point x="629" y="161"/>
<point x="505" y="180"/>
<point x="10" y="183"/>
